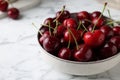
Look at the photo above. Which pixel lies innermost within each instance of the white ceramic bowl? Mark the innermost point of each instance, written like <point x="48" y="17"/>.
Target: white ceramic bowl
<point x="79" y="68"/>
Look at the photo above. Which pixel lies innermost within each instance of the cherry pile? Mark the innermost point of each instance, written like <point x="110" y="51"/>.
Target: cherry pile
<point x="80" y="36"/>
<point x="11" y="12"/>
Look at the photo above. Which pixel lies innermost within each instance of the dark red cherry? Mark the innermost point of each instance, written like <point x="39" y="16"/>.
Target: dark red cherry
<point x="3" y="5"/>
<point x="107" y="30"/>
<point x="98" y="22"/>
<point x="90" y="27"/>
<point x="69" y="37"/>
<point x="94" y="39"/>
<point x="85" y="23"/>
<point x="49" y="22"/>
<point x="70" y="23"/>
<point x="43" y="37"/>
<point x="84" y="54"/>
<point x="44" y="29"/>
<point x="116" y="30"/>
<point x="61" y="17"/>
<point x="60" y="31"/>
<point x="51" y="43"/>
<point x="95" y="14"/>
<point x="116" y="40"/>
<point x="64" y="53"/>
<point x="13" y="13"/>
<point x="83" y="15"/>
<point x="108" y="50"/>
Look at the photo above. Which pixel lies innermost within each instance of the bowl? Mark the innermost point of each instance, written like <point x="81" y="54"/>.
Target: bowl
<point x="79" y="68"/>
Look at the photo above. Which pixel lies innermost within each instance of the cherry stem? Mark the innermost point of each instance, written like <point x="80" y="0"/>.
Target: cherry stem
<point x="37" y="28"/>
<point x="99" y="16"/>
<point x="111" y="22"/>
<point x="68" y="43"/>
<point x="73" y="38"/>
<point x="88" y="20"/>
<point x="84" y="27"/>
<point x="79" y="25"/>
<point x="57" y="23"/>
<point x="60" y="13"/>
<point x="109" y="14"/>
<point x="49" y="28"/>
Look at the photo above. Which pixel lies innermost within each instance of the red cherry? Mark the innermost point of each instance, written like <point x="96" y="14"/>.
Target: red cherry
<point x="13" y="13"/>
<point x="95" y="14"/>
<point x="85" y="23"/>
<point x="83" y="15"/>
<point x="51" y="43"/>
<point x="70" y="23"/>
<point x="83" y="54"/>
<point x="43" y="29"/>
<point x="108" y="50"/>
<point x="69" y="37"/>
<point x="116" y="30"/>
<point x="3" y="5"/>
<point x="94" y="39"/>
<point x="61" y="17"/>
<point x="98" y="22"/>
<point x="107" y="30"/>
<point x="90" y="27"/>
<point x="60" y="31"/>
<point x="49" y="22"/>
<point x="44" y="36"/>
<point x="64" y="53"/>
<point x="116" y="40"/>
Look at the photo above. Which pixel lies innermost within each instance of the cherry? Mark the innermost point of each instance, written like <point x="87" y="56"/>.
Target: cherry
<point x="13" y="13"/>
<point x="70" y="23"/>
<point x="90" y="27"/>
<point x="49" y="22"/>
<point x="44" y="36"/>
<point x="83" y="54"/>
<point x="60" y="31"/>
<point x="107" y="30"/>
<point x="116" y="30"/>
<point x="116" y="40"/>
<point x="94" y="39"/>
<point x="95" y="14"/>
<point x="83" y="15"/>
<point x="51" y="43"/>
<point x="85" y="23"/>
<point x="3" y="5"/>
<point x="69" y="37"/>
<point x="98" y="22"/>
<point x="108" y="50"/>
<point x="64" y="53"/>
<point x="62" y="15"/>
<point x="43" y="29"/>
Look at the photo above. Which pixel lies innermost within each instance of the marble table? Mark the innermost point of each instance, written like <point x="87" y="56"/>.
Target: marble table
<point x="19" y="50"/>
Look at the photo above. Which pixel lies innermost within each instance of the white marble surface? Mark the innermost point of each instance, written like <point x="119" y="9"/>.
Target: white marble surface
<point x="19" y="49"/>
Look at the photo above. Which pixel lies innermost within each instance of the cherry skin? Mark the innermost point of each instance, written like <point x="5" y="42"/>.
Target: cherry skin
<point x="107" y="30"/>
<point x="60" y="31"/>
<point x="49" y="22"/>
<point x="83" y="15"/>
<point x="116" y="30"/>
<point x="108" y="50"/>
<point x="94" y="39"/>
<point x="85" y="23"/>
<point x="70" y="23"/>
<point x="3" y="5"/>
<point x="95" y="14"/>
<point x="43" y="29"/>
<point x="69" y="37"/>
<point x="51" y="44"/>
<point x="90" y="27"/>
<point x="116" y="40"/>
<point x="98" y="22"/>
<point x="63" y="16"/>
<point x="64" y="53"/>
<point x="44" y="36"/>
<point x="13" y="13"/>
<point x="84" y="54"/>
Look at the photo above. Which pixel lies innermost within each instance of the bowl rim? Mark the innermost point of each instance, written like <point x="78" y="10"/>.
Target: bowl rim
<point x="76" y="62"/>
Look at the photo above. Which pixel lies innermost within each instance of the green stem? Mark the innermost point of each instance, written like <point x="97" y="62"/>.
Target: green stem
<point x="73" y="38"/>
<point x="84" y="27"/>
<point x="99" y="16"/>
<point x="37" y="28"/>
<point x="79" y="25"/>
<point x="60" y="13"/>
<point x="49" y="28"/>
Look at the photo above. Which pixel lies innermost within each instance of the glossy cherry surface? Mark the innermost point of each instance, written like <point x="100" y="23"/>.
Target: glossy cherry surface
<point x="3" y="5"/>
